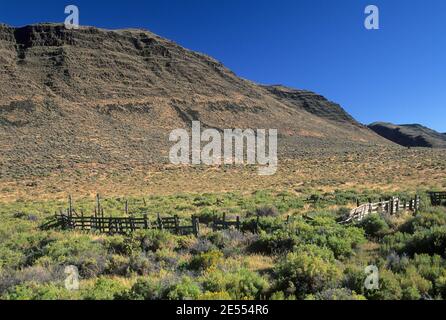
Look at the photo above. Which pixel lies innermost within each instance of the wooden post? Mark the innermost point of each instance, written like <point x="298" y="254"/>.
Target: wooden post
<point x="357" y="203"/>
<point x="82" y="221"/>
<point x="70" y="206"/>
<point x="126" y="207"/>
<point x="98" y="203"/>
<point x="195" y="226"/>
<point x="146" y="225"/>
<point x="397" y="205"/>
<point x="238" y="223"/>
<point x="197" y="221"/>
<point x="160" y="222"/>
<point x="391" y="206"/>
<point x="177" y="224"/>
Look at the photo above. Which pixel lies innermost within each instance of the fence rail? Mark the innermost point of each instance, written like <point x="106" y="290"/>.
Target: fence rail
<point x="437" y="197"/>
<point x="71" y="220"/>
<point x="223" y="224"/>
<point x="390" y="207"/>
<point x="122" y="225"/>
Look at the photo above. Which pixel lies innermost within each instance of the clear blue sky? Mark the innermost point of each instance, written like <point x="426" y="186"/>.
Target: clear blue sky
<point x="396" y="74"/>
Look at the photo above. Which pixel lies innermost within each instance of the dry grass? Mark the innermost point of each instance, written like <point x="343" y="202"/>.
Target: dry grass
<point x="388" y="169"/>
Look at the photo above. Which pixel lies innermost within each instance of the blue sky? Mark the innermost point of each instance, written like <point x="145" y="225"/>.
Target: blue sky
<point x="396" y="74"/>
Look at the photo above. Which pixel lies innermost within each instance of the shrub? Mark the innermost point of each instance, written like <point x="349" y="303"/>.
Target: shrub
<point x="307" y="270"/>
<point x="120" y="245"/>
<point x="143" y="289"/>
<point x="277" y="242"/>
<point x="431" y="241"/>
<point x="414" y="286"/>
<point x="206" y="260"/>
<point x="153" y="240"/>
<point x="89" y="256"/>
<point x="35" y="291"/>
<point x="223" y="295"/>
<point x="104" y="289"/>
<point x="264" y="212"/>
<point x="374" y="226"/>
<point x="141" y="264"/>
<point x="389" y="287"/>
<point x="118" y="265"/>
<point x="241" y="284"/>
<point x="336" y="294"/>
<point x="186" y="289"/>
<point x="267" y="224"/>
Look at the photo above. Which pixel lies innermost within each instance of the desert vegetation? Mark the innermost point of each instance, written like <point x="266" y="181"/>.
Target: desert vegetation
<point x="311" y="257"/>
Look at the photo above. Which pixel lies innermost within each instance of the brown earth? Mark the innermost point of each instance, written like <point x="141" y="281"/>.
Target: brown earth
<point x="71" y="98"/>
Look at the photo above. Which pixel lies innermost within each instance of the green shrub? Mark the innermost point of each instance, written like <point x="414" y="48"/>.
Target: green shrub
<point x="118" y="265"/>
<point x="206" y="260"/>
<point x="414" y="286"/>
<point x="389" y="287"/>
<point x="241" y="284"/>
<point x="336" y="294"/>
<point x="104" y="289"/>
<point x="88" y="255"/>
<point x="223" y="295"/>
<point x="186" y="289"/>
<point x="143" y="289"/>
<point x="307" y="270"/>
<point x="277" y="242"/>
<point x="35" y="291"/>
<point x="153" y="240"/>
<point x="374" y="226"/>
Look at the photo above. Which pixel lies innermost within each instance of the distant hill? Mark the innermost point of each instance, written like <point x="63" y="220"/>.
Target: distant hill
<point x="410" y="135"/>
<point x="100" y="96"/>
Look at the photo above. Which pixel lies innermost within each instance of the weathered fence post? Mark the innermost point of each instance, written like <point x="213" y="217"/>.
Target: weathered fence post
<point x="196" y="226"/>
<point x="126" y="207"/>
<point x="238" y="224"/>
<point x="177" y="224"/>
<point x="160" y="222"/>
<point x="146" y="225"/>
<point x="70" y="206"/>
<point x="98" y="203"/>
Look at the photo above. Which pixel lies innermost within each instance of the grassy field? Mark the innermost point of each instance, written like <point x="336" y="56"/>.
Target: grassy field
<point x="393" y="169"/>
<point x="307" y="259"/>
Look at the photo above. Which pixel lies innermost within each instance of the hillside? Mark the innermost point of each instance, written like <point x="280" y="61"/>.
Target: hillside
<point x="69" y="97"/>
<point x="410" y="135"/>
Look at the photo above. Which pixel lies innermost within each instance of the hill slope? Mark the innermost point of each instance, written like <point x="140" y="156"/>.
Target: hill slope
<point x="100" y="96"/>
<point x="410" y="135"/>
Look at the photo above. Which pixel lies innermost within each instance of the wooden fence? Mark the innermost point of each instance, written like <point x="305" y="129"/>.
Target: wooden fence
<point x="223" y="224"/>
<point x="390" y="207"/>
<point x="98" y="222"/>
<point x="71" y="220"/>
<point x="437" y="198"/>
<point x="122" y="225"/>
